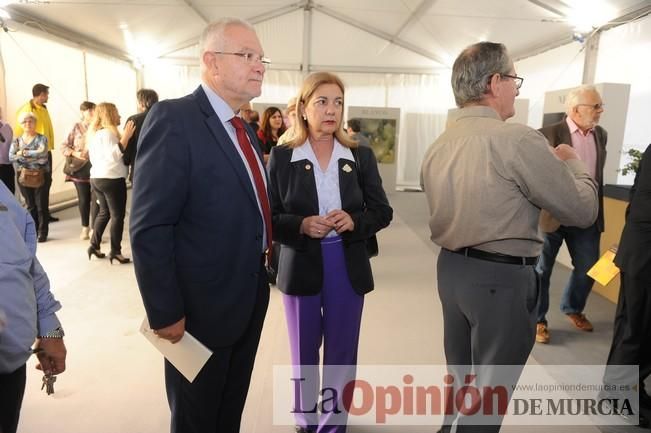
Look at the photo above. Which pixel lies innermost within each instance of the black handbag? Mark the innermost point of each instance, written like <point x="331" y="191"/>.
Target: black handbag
<point x="76" y="167"/>
<point x="372" y="249"/>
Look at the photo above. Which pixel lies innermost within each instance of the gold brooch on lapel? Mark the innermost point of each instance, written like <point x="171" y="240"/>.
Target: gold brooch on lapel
<point x="346" y="168"/>
<point x="308" y="167"/>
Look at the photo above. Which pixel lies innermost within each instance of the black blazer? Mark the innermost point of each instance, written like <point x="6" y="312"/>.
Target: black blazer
<point x="293" y="197"/>
<point x="196" y="230"/>
<point x="634" y="252"/>
<point x="559" y="133"/>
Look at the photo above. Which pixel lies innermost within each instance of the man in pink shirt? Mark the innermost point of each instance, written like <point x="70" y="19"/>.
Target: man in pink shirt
<point x="579" y="129"/>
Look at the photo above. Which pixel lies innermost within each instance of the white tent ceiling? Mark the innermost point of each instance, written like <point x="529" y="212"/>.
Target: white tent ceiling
<point x="365" y="35"/>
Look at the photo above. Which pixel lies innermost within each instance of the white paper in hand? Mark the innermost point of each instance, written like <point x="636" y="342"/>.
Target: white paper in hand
<point x="188" y="355"/>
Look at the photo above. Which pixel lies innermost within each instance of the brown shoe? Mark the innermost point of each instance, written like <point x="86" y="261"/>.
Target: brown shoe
<point x="580" y="321"/>
<point x="542" y="333"/>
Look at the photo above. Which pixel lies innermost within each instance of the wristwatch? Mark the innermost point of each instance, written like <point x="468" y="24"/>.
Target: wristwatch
<point x="55" y="333"/>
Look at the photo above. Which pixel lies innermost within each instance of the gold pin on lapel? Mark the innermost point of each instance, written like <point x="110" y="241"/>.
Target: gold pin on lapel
<point x="346" y="168"/>
<point x="308" y="167"/>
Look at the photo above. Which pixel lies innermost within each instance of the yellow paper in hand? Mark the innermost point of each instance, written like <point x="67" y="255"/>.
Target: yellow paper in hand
<point x="605" y="269"/>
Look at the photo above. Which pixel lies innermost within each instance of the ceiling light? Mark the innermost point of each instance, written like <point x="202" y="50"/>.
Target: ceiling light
<point x="587" y="15"/>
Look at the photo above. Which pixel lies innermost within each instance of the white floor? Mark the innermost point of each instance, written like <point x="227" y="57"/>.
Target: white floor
<point x="114" y="380"/>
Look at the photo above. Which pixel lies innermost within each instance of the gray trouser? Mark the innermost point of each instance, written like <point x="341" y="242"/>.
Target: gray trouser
<point x="489" y="318"/>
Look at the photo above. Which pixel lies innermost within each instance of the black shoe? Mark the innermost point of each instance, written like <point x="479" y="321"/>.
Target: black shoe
<point x="629" y="418"/>
<point x="120" y="258"/>
<point x="42" y="238"/>
<point x="95" y="252"/>
<point x="53" y="219"/>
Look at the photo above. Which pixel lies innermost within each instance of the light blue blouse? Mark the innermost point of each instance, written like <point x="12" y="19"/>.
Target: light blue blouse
<point x="327" y="181"/>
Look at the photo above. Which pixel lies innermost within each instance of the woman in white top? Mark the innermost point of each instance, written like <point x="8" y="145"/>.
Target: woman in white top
<point x="108" y="177"/>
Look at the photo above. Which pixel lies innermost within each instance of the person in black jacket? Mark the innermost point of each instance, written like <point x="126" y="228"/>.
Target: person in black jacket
<point x="631" y="345"/>
<point x="326" y="200"/>
<point x="146" y="99"/>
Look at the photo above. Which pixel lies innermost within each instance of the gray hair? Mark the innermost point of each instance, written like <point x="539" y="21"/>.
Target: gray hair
<point x="473" y="68"/>
<point x="574" y="97"/>
<point x="215" y="32"/>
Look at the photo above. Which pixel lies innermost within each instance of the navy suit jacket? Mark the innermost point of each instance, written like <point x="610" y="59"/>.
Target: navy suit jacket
<point x="196" y="229"/>
<point x="559" y="133"/>
<point x="634" y="252"/>
<point x="294" y="197"/>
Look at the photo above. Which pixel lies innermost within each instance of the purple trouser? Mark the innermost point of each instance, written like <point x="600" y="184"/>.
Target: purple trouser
<point x="333" y="316"/>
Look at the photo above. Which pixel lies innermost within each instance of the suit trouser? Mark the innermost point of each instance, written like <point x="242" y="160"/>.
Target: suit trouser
<point x="583" y="246"/>
<point x="8" y="176"/>
<point x="489" y="318"/>
<point x="631" y="343"/>
<point x="12" y="389"/>
<point x="214" y="402"/>
<point x="333" y="317"/>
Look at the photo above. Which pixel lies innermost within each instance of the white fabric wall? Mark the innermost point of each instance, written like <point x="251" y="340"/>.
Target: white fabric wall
<point x="624" y="58"/>
<point x="31" y="57"/>
<point x="558" y="68"/>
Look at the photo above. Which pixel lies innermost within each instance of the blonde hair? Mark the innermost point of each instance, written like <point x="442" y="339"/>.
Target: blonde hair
<point x="106" y="116"/>
<point x="300" y="130"/>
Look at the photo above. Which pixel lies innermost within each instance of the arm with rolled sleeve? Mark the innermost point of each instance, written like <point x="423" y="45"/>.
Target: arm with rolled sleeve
<point x="563" y="188"/>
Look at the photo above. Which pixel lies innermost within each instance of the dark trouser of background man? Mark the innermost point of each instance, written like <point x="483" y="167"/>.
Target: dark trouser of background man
<point x="48" y="185"/>
<point x="583" y="245"/>
<point x="631" y="343"/>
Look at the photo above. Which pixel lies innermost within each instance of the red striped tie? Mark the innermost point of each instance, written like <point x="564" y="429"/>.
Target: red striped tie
<point x="251" y="159"/>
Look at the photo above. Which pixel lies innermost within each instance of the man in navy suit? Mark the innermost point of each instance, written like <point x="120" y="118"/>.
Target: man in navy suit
<point x="199" y="228"/>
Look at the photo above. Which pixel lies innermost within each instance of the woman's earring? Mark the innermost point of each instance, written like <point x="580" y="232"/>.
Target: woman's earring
<point x="304" y="117"/>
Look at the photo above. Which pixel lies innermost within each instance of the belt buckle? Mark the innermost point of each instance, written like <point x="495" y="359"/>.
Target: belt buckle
<point x="465" y="251"/>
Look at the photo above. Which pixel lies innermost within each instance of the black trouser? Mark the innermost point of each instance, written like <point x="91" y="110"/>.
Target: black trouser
<point x="36" y="202"/>
<point x="112" y="196"/>
<point x="48" y="183"/>
<point x="87" y="202"/>
<point x="214" y="401"/>
<point x="631" y="343"/>
<point x="8" y="176"/>
<point x="12" y="389"/>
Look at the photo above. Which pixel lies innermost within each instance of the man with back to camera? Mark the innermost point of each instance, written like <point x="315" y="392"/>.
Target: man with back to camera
<point x="7" y="173"/>
<point x="146" y="99"/>
<point x="354" y="130"/>
<point x="580" y="130"/>
<point x="200" y="224"/>
<point x="485" y="181"/>
<point x="27" y="310"/>
<point x="36" y="105"/>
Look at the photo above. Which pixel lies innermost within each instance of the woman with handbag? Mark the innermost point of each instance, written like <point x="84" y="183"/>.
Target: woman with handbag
<point x="77" y="168"/>
<point x="322" y="217"/>
<point x="108" y="177"/>
<point x="29" y="153"/>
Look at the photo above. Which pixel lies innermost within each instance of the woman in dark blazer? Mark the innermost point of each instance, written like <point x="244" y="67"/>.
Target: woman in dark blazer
<point x="322" y="219"/>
